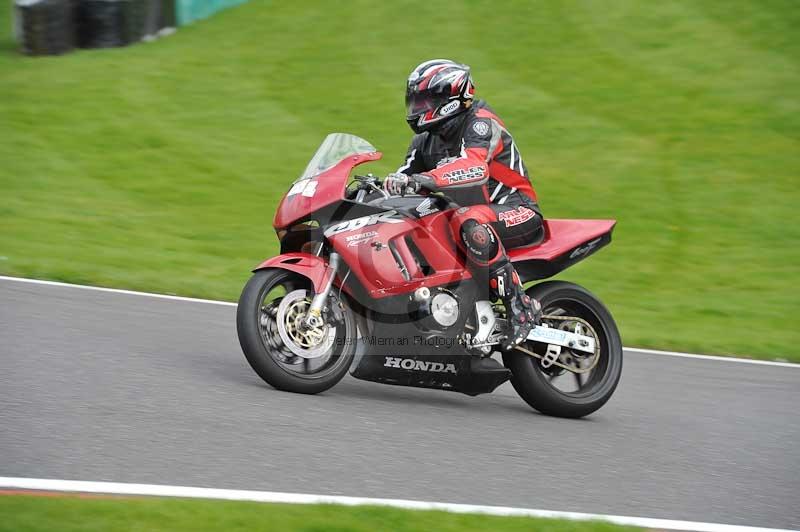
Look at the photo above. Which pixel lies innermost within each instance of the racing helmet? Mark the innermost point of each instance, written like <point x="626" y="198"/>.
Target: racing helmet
<point x="436" y="91"/>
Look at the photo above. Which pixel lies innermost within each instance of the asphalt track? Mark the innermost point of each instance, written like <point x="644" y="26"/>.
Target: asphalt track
<point x="117" y="387"/>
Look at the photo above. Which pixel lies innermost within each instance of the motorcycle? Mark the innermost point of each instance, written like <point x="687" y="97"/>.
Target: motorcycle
<point x="373" y="284"/>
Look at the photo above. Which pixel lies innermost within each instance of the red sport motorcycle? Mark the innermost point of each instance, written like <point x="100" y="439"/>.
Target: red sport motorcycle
<point x="373" y="284"/>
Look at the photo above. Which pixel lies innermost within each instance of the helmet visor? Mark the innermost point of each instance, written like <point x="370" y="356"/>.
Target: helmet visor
<point x="420" y="102"/>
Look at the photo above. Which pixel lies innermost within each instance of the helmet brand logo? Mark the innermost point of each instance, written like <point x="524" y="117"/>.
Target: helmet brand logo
<point x="449" y="108"/>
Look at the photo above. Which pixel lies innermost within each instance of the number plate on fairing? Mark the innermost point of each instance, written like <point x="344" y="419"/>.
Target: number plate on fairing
<point x="548" y="335"/>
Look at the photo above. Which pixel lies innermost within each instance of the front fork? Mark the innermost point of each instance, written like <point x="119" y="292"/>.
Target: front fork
<point x="314" y="316"/>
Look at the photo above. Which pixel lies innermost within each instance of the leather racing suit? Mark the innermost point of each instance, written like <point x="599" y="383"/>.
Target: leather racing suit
<point x="474" y="160"/>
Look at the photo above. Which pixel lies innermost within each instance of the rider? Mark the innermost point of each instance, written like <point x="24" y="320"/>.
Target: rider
<point x="463" y="148"/>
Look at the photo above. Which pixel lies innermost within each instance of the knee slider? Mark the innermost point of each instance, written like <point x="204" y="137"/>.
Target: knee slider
<point x="479" y="240"/>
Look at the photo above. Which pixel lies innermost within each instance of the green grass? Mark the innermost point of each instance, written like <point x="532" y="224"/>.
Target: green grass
<point x="158" y="167"/>
<point x="27" y="513"/>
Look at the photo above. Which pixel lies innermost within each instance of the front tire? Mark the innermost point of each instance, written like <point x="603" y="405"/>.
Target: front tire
<point x="265" y="347"/>
<point x="535" y="384"/>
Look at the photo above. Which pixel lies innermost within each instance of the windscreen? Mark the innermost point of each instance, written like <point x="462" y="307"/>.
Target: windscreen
<point x="333" y="149"/>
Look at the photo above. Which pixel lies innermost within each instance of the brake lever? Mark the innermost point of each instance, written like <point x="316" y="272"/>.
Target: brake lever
<point x="369" y="181"/>
<point x="386" y="195"/>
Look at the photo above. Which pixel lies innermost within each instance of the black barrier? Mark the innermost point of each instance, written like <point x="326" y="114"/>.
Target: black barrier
<point x="109" y="23"/>
<point x="57" y="26"/>
<point x="159" y="14"/>
<point x="45" y="27"/>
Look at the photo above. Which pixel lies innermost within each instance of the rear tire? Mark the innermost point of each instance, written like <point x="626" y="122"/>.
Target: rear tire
<point x="265" y="359"/>
<point x="531" y="381"/>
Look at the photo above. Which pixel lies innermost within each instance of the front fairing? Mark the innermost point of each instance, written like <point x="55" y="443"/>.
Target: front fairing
<point x="324" y="180"/>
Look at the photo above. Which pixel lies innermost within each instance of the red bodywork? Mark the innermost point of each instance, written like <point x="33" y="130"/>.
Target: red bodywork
<point x="309" y="266"/>
<point x="562" y="236"/>
<point x="398" y="255"/>
<point x="377" y="268"/>
<point x="328" y="188"/>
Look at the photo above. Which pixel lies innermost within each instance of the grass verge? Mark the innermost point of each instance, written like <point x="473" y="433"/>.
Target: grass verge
<point x="158" y="167"/>
<point x="30" y="513"/>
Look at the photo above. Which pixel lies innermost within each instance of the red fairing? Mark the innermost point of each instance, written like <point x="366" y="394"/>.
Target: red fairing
<point x="309" y="266"/>
<point x="561" y="237"/>
<point x="312" y="194"/>
<point x="468" y="169"/>
<point x="375" y="266"/>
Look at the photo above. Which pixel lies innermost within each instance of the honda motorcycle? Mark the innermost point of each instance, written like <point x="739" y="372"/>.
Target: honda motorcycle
<point x="375" y="285"/>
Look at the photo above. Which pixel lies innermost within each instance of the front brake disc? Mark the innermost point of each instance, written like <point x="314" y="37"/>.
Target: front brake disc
<point x="302" y="340"/>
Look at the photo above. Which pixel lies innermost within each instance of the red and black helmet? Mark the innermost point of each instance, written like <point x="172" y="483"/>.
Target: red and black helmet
<point x="437" y="90"/>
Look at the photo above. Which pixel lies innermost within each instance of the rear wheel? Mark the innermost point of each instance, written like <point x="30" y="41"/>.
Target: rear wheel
<point x="591" y="378"/>
<point x="287" y="354"/>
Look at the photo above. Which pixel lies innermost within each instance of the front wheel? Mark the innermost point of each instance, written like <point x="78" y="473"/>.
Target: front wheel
<point x="592" y="378"/>
<point x="280" y="347"/>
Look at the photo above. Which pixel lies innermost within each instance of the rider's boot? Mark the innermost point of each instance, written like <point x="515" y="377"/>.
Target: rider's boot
<point x="523" y="313"/>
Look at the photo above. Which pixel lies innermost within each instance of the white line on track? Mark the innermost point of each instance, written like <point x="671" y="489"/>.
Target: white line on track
<point x="712" y="357"/>
<point x="117" y="488"/>
<point x="229" y="304"/>
<point x="116" y="291"/>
